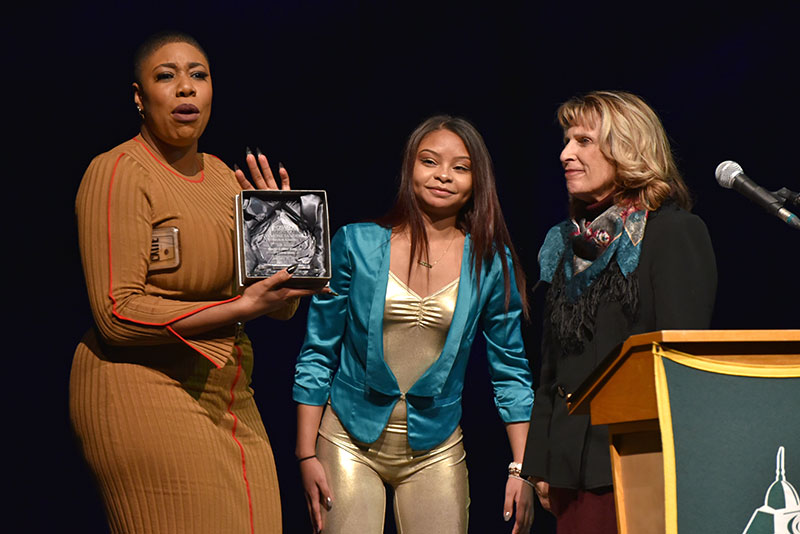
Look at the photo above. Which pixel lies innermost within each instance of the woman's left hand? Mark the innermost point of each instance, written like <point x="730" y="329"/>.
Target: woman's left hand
<point x="519" y="502"/>
<point x="261" y="173"/>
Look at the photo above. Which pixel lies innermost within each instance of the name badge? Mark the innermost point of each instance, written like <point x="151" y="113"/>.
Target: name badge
<point x="165" y="251"/>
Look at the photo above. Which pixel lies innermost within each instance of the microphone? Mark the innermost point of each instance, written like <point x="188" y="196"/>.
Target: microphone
<point x="731" y="176"/>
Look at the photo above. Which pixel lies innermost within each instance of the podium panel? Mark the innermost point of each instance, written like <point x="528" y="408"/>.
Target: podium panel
<point x="704" y="430"/>
<point x="722" y="425"/>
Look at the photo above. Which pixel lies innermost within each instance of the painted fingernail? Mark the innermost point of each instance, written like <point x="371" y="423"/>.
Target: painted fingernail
<point x="258" y="152"/>
<point x="247" y="151"/>
<point x="236" y="167"/>
<point x="506" y="516"/>
<point x="327" y="289"/>
<point x="292" y="268"/>
<point x="328" y="503"/>
<point x="280" y="165"/>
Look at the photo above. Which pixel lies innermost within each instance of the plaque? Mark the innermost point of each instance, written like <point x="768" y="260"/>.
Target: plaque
<point x="276" y="229"/>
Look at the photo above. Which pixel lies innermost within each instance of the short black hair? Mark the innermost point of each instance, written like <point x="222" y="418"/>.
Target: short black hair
<point x="156" y="41"/>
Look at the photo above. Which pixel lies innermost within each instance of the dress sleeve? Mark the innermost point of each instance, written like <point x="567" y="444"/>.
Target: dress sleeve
<point x="508" y="365"/>
<point x="113" y="211"/>
<point x="327" y="321"/>
<point x="684" y="275"/>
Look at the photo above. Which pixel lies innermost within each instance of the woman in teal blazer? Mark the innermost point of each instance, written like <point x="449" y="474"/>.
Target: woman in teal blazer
<point x="391" y="363"/>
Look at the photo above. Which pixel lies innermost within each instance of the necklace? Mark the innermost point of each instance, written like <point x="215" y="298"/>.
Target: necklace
<point x="432" y="265"/>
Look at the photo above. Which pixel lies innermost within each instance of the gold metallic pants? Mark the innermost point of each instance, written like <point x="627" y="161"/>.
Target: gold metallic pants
<point x="431" y="490"/>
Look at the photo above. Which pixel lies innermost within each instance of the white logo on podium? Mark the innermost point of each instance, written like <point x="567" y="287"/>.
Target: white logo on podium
<point x="781" y="511"/>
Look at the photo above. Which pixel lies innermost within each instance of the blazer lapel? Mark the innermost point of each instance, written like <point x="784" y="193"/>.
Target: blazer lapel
<point x="378" y="375"/>
<point x="432" y="382"/>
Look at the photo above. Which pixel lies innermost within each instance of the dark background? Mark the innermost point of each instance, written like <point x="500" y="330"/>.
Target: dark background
<point x="332" y="89"/>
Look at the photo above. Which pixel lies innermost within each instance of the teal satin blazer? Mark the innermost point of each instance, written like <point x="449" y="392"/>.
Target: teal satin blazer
<point x="342" y="355"/>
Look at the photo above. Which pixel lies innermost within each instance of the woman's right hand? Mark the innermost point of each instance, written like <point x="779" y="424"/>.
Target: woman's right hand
<point x="262" y="297"/>
<point x="270" y="295"/>
<point x="318" y="494"/>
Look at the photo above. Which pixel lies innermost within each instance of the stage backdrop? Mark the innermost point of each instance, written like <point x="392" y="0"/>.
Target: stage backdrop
<point x="332" y="89"/>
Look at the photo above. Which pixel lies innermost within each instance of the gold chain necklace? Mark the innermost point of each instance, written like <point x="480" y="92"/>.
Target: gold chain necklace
<point x="432" y="265"/>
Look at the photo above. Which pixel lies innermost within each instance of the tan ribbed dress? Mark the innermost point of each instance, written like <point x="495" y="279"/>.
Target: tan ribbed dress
<point x="168" y="425"/>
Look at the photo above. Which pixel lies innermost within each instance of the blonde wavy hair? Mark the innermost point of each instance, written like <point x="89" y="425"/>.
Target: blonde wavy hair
<point x="633" y="139"/>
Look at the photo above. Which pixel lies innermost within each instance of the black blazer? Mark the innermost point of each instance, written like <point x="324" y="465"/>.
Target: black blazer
<point x="677" y="279"/>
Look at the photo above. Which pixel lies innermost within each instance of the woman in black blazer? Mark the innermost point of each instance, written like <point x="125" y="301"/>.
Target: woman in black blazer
<point x="630" y="259"/>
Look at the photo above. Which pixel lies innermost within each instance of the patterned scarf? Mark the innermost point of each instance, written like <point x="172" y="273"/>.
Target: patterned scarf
<point x="589" y="262"/>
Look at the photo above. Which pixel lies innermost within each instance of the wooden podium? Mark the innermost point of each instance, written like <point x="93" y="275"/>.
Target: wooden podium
<point x="625" y="394"/>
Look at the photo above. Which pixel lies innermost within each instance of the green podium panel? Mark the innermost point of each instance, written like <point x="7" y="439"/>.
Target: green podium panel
<point x="730" y="436"/>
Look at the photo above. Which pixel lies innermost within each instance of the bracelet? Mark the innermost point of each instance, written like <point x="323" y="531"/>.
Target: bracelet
<point x="514" y="468"/>
<point x="525" y="480"/>
<point x="304" y="458"/>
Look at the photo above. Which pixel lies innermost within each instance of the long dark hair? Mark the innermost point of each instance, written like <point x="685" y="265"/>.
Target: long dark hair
<point x="481" y="216"/>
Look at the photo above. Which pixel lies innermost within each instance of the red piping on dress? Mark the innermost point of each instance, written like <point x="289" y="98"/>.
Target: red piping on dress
<point x="118" y="315"/>
<point x="202" y="172"/>
<point x="233" y="433"/>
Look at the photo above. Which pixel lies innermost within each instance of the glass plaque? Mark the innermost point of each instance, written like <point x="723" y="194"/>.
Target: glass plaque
<point x="283" y="228"/>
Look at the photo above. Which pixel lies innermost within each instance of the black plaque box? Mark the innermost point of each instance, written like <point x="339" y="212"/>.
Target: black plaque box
<point x="276" y="229"/>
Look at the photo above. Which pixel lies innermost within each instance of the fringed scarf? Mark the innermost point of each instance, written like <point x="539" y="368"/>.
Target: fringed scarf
<point x="587" y="263"/>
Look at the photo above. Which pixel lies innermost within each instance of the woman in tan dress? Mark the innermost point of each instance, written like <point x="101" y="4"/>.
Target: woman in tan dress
<point x="159" y="388"/>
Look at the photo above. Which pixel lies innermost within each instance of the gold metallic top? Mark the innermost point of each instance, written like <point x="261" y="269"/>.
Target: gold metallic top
<point x="414" y="331"/>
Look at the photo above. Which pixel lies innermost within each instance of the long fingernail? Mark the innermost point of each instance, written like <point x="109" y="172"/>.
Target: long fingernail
<point x="236" y="167"/>
<point x="258" y="152"/>
<point x="506" y="516"/>
<point x="292" y="268"/>
<point x="330" y="291"/>
<point x="280" y="165"/>
<point x="247" y="151"/>
<point x="328" y="503"/>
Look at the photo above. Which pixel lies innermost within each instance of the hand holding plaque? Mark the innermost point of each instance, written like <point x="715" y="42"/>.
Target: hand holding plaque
<point x="276" y="228"/>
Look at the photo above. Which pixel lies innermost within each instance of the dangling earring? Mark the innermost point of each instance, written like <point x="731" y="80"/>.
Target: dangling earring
<point x="141" y="111"/>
